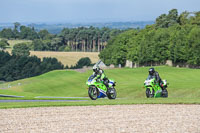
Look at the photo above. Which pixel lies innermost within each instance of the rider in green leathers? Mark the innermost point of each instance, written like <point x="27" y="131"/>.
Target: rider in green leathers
<point x="100" y="75"/>
<point x="153" y="73"/>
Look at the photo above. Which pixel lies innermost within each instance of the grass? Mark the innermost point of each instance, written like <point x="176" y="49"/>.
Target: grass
<point x="102" y="102"/>
<point x="183" y="87"/>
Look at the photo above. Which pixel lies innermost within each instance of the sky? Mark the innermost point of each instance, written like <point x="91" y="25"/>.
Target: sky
<point x="53" y="11"/>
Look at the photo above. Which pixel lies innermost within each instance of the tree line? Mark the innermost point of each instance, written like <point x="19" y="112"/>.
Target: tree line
<point x="70" y="39"/>
<point x="16" y="66"/>
<point x="173" y="37"/>
<point x="20" y="64"/>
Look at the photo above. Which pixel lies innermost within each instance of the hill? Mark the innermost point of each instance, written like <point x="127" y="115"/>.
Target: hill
<point x="183" y="83"/>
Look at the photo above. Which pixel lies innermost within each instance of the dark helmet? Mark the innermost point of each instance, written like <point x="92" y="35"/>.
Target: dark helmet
<point x="151" y="71"/>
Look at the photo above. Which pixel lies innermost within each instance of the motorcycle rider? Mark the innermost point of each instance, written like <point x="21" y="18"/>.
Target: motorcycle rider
<point x="100" y="75"/>
<point x="154" y="74"/>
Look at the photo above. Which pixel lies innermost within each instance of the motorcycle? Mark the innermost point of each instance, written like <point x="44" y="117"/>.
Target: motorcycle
<point x="98" y="90"/>
<point x="153" y="88"/>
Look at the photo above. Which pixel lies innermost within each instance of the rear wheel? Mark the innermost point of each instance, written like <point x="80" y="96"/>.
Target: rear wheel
<point x="165" y="93"/>
<point x="93" y="92"/>
<point x="111" y="93"/>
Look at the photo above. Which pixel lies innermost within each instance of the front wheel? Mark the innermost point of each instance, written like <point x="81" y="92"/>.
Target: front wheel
<point x="93" y="92"/>
<point x="111" y="93"/>
<point x="149" y="94"/>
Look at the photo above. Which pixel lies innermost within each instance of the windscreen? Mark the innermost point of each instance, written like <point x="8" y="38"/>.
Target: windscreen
<point x="150" y="77"/>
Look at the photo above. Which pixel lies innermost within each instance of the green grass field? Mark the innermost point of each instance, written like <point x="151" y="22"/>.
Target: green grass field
<point x="183" y="87"/>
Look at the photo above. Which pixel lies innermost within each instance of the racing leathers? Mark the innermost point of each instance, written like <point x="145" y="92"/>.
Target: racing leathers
<point x="157" y="77"/>
<point x="100" y="76"/>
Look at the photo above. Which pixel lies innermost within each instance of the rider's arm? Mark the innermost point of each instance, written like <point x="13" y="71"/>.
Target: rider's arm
<point x="97" y="76"/>
<point x="157" y="77"/>
<point x="103" y="75"/>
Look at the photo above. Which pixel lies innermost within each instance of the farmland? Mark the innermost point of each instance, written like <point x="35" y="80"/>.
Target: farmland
<point x="66" y="58"/>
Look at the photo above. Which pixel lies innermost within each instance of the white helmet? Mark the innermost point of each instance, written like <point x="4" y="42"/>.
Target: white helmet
<point x="96" y="68"/>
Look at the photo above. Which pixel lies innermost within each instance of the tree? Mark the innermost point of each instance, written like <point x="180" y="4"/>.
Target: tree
<point x="28" y="33"/>
<point x="38" y="45"/>
<point x="21" y="49"/>
<point x="3" y="44"/>
<point x="49" y="64"/>
<point x="161" y="21"/>
<point x="194" y="46"/>
<point x="16" y="30"/>
<point x="44" y="34"/>
<point x="196" y="19"/>
<point x="183" y="18"/>
<point x="16" y="25"/>
<point x="165" y="21"/>
<point x="7" y="33"/>
<point x="172" y="17"/>
<point x="83" y="62"/>
<point x="172" y="37"/>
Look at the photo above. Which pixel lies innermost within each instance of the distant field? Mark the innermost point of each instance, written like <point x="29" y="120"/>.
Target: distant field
<point x="13" y="42"/>
<point x="67" y="58"/>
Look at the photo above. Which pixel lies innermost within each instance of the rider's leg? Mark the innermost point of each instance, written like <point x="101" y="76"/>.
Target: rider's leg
<point x="105" y="82"/>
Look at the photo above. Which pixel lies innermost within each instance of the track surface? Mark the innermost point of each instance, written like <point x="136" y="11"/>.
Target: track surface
<point x="103" y="119"/>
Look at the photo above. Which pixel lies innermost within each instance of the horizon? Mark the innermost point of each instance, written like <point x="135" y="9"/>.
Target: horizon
<point x="90" y="11"/>
<point x="74" y="23"/>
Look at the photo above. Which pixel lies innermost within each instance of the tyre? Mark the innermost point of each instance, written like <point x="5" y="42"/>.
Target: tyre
<point x="165" y="93"/>
<point x="93" y="92"/>
<point x="111" y="93"/>
<point x="149" y="94"/>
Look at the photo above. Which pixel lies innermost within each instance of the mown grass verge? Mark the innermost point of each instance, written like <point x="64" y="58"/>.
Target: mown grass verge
<point x="102" y="102"/>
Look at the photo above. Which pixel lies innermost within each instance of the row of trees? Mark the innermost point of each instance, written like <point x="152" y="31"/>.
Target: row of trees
<point x="21" y="65"/>
<point x="22" y="32"/>
<point x="87" y="39"/>
<point x="173" y="37"/>
<point x="17" y="66"/>
<point x="75" y="39"/>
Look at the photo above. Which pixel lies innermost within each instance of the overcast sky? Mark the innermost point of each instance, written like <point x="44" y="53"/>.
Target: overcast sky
<point x="89" y="10"/>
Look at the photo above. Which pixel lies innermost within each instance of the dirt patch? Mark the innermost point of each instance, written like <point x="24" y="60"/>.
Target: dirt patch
<point x="103" y="119"/>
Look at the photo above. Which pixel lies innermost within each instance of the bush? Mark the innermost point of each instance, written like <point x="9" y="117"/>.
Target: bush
<point x="21" y="49"/>
<point x="82" y="62"/>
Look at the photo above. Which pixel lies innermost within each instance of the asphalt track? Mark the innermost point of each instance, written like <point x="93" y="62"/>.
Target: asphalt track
<point x="4" y="101"/>
<point x="72" y="99"/>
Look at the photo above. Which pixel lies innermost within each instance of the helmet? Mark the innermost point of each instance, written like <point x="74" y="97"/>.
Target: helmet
<point x="151" y="71"/>
<point x="96" y="68"/>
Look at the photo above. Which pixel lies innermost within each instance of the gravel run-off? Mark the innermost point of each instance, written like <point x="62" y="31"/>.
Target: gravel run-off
<point x="145" y="118"/>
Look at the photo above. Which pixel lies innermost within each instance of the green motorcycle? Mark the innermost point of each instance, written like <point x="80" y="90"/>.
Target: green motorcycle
<point x="153" y="88"/>
<point x="98" y="90"/>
